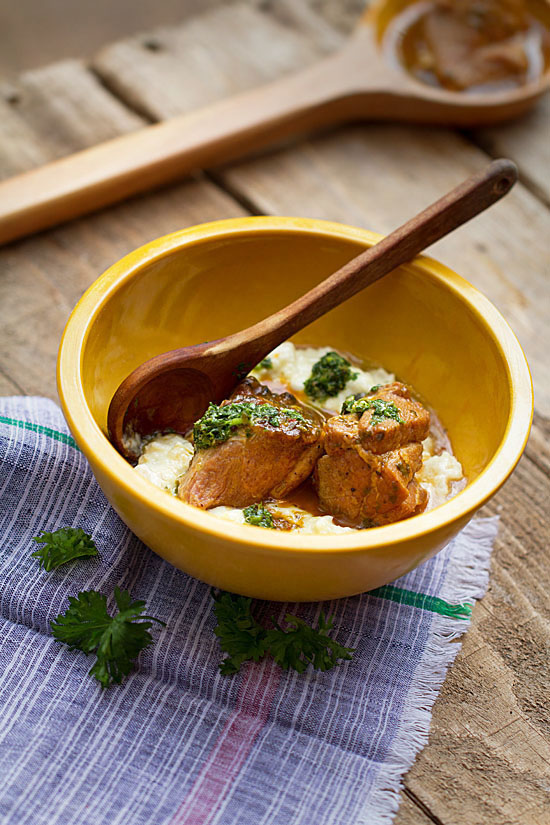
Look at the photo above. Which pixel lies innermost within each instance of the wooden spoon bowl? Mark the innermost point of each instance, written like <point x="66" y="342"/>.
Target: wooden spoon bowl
<point x="172" y="390"/>
<point x="390" y="92"/>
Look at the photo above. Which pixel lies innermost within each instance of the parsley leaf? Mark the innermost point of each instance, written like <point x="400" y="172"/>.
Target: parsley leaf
<point x="116" y="640"/>
<point x="245" y="639"/>
<point x="239" y="633"/>
<point x="63" y="545"/>
<point x="303" y="645"/>
<point x="259" y="515"/>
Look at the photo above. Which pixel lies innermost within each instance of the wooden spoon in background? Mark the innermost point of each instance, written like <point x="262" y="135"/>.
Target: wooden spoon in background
<point x="171" y="391"/>
<point x="358" y="82"/>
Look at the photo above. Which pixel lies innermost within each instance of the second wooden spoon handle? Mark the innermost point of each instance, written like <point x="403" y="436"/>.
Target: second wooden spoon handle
<point x="461" y="204"/>
<point x="96" y="177"/>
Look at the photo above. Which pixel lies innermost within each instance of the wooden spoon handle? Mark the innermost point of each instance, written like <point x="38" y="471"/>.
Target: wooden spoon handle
<point x="107" y="173"/>
<point x="461" y="204"/>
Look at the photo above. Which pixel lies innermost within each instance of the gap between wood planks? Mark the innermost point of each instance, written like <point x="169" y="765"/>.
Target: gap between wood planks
<point x="424" y="808"/>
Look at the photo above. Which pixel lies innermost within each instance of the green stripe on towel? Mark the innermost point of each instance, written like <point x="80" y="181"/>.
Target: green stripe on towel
<point x="39" y="428"/>
<point x="423" y="601"/>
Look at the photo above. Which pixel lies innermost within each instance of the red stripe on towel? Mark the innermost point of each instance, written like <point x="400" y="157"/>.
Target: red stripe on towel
<point x="232" y="747"/>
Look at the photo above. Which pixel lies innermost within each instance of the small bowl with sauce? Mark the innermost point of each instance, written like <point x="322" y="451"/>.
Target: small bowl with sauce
<point x="423" y="323"/>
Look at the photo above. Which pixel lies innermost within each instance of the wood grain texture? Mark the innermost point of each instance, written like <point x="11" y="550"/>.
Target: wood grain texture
<point x="48" y="113"/>
<point x="9" y="387"/>
<point x="538" y="447"/>
<point x="528" y="139"/>
<point x="232" y="48"/>
<point x="487" y="759"/>
<point x="411" y="813"/>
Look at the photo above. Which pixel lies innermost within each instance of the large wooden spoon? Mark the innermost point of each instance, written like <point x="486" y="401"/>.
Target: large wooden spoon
<point x="172" y="390"/>
<point x="360" y="81"/>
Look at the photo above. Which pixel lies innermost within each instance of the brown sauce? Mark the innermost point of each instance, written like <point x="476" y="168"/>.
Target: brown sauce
<point x="305" y="498"/>
<point x="470" y="45"/>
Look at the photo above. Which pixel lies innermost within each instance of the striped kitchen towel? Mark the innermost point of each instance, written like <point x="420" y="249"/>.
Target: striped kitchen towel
<point x="177" y="743"/>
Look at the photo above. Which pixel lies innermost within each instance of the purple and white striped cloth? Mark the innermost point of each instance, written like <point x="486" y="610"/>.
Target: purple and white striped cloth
<point x="177" y="743"/>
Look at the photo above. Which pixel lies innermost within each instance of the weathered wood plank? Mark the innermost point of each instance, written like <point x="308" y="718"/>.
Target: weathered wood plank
<point x="61" y="109"/>
<point x="342" y="16"/>
<point x="527" y="139"/>
<point x="36" y="33"/>
<point x="51" y="112"/>
<point x="538" y="446"/>
<point x="492" y="713"/>
<point x="8" y="387"/>
<point x="411" y="814"/>
<point x="194" y="64"/>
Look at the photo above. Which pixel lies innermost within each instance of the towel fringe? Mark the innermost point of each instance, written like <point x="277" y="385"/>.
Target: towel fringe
<point x="466" y="580"/>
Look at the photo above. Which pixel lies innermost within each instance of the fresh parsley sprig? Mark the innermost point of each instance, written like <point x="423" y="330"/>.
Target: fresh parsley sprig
<point x="240" y="635"/>
<point x="243" y="638"/>
<point x="302" y="645"/>
<point x="116" y="640"/>
<point x="63" y="545"/>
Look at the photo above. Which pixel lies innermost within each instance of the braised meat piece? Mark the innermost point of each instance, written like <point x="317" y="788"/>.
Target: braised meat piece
<point x="373" y="451"/>
<point x="255" y="445"/>
<point x="380" y="421"/>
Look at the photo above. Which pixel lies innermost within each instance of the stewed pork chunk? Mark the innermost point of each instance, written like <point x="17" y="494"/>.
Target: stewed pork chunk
<point x="373" y="450"/>
<point x="255" y="445"/>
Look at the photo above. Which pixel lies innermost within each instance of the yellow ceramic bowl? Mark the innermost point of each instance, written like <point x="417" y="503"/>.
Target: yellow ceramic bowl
<point x="423" y="322"/>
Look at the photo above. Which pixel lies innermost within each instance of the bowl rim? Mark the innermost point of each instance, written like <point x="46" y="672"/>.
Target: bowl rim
<point x="97" y="448"/>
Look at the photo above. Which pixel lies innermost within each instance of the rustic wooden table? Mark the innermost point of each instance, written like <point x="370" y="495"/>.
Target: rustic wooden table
<point x="488" y="758"/>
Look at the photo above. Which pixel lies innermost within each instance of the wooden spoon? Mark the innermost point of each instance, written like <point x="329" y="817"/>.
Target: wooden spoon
<point x="357" y="82"/>
<point x="172" y="390"/>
